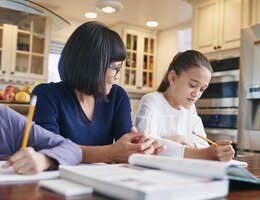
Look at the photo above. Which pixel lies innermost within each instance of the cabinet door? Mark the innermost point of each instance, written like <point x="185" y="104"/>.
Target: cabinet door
<point x="147" y="70"/>
<point x="30" y="43"/>
<point x="23" y="45"/>
<point x="130" y="69"/>
<point x="9" y="42"/>
<point x="230" y="24"/>
<point x="255" y="12"/>
<point x="205" y="26"/>
<point x="2" y="72"/>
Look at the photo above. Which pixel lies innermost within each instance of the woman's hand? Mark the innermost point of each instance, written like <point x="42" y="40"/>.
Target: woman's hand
<point x="134" y="142"/>
<point x="155" y="148"/>
<point x="181" y="139"/>
<point x="28" y="161"/>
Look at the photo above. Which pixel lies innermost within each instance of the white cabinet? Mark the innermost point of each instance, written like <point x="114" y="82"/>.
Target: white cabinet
<point x="216" y="25"/>
<point x="23" y="46"/>
<point x="138" y="71"/>
<point x="255" y="17"/>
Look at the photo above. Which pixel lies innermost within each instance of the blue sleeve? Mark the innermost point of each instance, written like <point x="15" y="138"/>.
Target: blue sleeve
<point x="46" y="113"/>
<point x="122" y="122"/>
<point x="54" y="146"/>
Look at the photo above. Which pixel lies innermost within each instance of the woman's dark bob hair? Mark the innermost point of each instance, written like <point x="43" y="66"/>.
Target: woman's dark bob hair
<point x="182" y="62"/>
<point x="87" y="55"/>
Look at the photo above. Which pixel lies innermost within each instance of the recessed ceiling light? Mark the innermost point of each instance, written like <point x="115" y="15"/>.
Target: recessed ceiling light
<point x="108" y="9"/>
<point x="109" y="6"/>
<point x="152" y="24"/>
<point x="91" y="15"/>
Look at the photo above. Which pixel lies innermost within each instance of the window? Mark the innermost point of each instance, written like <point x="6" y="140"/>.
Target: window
<point x="184" y="39"/>
<point x="54" y="57"/>
<point x="53" y="74"/>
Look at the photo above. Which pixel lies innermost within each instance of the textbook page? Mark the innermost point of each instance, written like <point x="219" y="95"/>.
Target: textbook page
<point x="195" y="167"/>
<point x="9" y="176"/>
<point x="235" y="170"/>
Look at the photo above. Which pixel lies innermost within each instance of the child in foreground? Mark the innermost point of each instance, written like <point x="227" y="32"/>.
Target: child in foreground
<point x="46" y="150"/>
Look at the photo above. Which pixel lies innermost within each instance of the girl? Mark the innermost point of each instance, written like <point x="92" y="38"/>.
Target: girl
<point x="170" y="112"/>
<point x="86" y="106"/>
<point x="46" y="149"/>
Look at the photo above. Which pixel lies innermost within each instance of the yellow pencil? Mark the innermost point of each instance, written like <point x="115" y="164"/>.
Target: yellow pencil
<point x="206" y="139"/>
<point x="29" y="122"/>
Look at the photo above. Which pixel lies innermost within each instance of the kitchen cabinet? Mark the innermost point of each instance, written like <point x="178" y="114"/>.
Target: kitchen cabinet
<point x="255" y="14"/>
<point x="24" y="40"/>
<point x="138" y="72"/>
<point x="216" y="25"/>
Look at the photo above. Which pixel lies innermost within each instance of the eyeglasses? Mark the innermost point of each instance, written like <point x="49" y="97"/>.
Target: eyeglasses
<point x="116" y="68"/>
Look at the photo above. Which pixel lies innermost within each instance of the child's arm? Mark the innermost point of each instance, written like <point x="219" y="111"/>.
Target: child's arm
<point x="49" y="146"/>
<point x="181" y="139"/>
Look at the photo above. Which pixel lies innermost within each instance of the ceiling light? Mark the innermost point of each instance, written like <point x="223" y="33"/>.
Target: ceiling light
<point x="91" y="15"/>
<point x="152" y="24"/>
<point x="109" y="6"/>
<point x="108" y="9"/>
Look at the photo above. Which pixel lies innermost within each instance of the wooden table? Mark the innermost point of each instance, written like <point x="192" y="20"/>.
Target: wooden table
<point x="33" y="192"/>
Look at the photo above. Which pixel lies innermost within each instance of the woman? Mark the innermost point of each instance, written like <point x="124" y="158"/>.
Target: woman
<point x="86" y="106"/>
<point x="170" y="112"/>
<point x="46" y="150"/>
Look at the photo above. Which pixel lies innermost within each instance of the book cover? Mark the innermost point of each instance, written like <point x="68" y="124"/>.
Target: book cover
<point x="124" y="181"/>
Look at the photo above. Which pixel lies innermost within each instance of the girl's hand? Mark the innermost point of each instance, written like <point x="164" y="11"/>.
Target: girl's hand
<point x="28" y="161"/>
<point x="223" y="152"/>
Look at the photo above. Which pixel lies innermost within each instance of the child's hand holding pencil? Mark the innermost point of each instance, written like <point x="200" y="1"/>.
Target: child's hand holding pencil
<point x="27" y="160"/>
<point x="222" y="150"/>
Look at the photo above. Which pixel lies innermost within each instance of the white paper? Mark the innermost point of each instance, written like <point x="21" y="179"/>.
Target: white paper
<point x="65" y="187"/>
<point x="9" y="176"/>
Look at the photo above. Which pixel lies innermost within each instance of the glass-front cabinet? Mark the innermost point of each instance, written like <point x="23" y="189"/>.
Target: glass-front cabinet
<point x="23" y="42"/>
<point x="138" y="71"/>
<point x="1" y="46"/>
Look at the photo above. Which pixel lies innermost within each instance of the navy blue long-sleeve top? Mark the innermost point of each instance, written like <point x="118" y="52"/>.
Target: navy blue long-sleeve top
<point x="59" y="111"/>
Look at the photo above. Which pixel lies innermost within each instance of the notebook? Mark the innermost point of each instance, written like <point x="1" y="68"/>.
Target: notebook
<point x="9" y="176"/>
<point x="124" y="181"/>
<point x="234" y="169"/>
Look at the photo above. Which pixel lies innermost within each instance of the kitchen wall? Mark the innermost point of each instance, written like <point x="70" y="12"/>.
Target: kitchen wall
<point x="167" y="48"/>
<point x="63" y="34"/>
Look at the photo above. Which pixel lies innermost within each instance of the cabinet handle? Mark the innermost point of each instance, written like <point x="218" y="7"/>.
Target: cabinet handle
<point x="218" y="47"/>
<point x="12" y="73"/>
<point x="3" y="72"/>
<point x="214" y="47"/>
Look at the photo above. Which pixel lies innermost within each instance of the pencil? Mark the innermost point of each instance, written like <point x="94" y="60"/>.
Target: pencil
<point x="206" y="139"/>
<point x="29" y="122"/>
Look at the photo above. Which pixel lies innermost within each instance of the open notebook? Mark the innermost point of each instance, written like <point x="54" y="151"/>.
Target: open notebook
<point x="124" y="181"/>
<point x="9" y="176"/>
<point x="234" y="170"/>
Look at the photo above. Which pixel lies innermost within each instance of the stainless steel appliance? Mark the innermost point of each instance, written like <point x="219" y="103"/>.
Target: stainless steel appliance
<point x="218" y="106"/>
<point x="249" y="112"/>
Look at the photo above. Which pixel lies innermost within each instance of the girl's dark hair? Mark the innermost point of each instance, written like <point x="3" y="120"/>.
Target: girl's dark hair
<point x="182" y="62"/>
<point x="87" y="55"/>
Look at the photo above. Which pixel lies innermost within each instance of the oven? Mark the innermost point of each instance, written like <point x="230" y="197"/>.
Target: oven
<point x="218" y="105"/>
